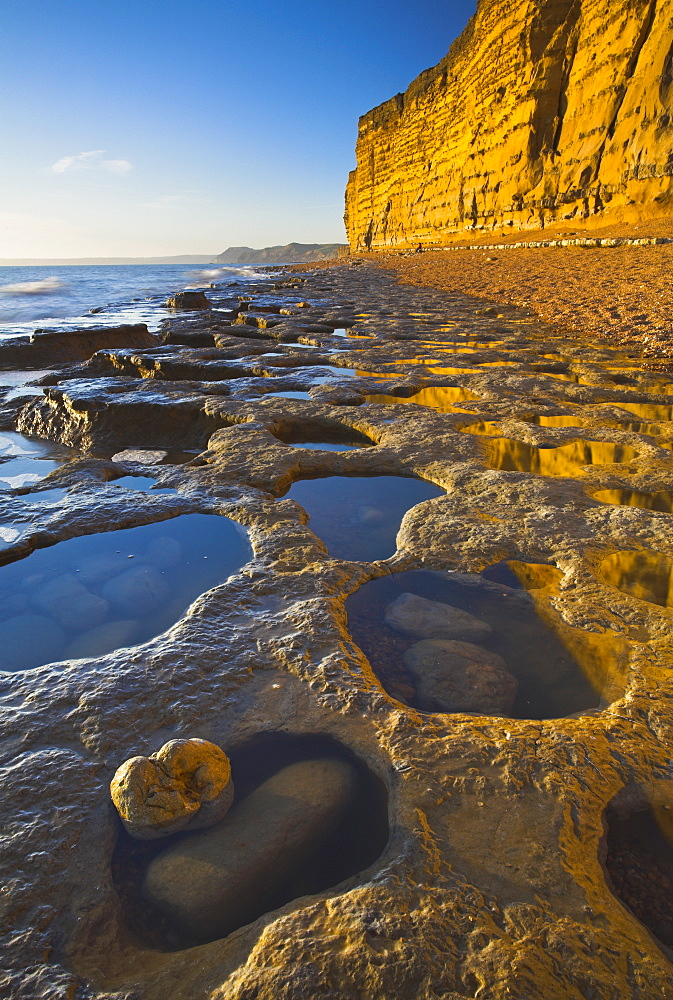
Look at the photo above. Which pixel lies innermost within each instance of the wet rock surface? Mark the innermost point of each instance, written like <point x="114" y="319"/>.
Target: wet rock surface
<point x="491" y="881"/>
<point x="60" y="347"/>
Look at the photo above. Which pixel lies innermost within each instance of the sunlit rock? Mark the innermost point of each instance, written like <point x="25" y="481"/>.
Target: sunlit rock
<point x="559" y="126"/>
<point x="188" y="300"/>
<point x="185" y="783"/>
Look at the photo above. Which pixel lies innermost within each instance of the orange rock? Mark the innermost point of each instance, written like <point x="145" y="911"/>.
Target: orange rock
<point x="186" y="783"/>
<point x="540" y="113"/>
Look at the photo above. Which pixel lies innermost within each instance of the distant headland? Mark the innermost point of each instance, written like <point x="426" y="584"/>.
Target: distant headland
<point x="291" y="253"/>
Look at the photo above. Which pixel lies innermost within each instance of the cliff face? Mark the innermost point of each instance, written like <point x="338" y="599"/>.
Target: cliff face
<point x="542" y="111"/>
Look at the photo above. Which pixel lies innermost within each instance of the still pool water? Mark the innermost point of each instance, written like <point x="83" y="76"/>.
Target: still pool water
<point x="24" y="460"/>
<point x="88" y="596"/>
<point x="358" y="517"/>
<point x="323" y="446"/>
<point x="143" y="484"/>
<point x="566" y="460"/>
<point x="356" y="838"/>
<point x="551" y="683"/>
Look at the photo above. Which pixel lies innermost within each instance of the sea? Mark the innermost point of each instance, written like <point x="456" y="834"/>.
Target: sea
<point x="75" y="297"/>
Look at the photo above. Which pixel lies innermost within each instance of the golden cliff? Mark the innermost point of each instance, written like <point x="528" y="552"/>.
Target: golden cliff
<point x="544" y="112"/>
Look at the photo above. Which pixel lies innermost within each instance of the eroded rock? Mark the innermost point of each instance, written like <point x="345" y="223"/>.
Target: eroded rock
<point x="47" y="347"/>
<point x="460" y="677"/>
<point x="427" y="619"/>
<point x="185" y="783"/>
<point x="143" y="456"/>
<point x="213" y="882"/>
<point x="188" y="300"/>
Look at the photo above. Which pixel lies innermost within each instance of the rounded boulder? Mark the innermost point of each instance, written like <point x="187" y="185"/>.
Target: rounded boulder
<point x="187" y="783"/>
<point x="213" y="882"/>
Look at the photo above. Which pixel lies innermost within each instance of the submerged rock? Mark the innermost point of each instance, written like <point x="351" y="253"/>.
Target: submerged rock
<point x="213" y="882"/>
<point x="164" y="552"/>
<point x="185" y="783"/>
<point x="139" y="591"/>
<point x="102" y="640"/>
<point x="97" y="569"/>
<point x="70" y="603"/>
<point x="28" y="641"/>
<point x="431" y="620"/>
<point x="459" y="677"/>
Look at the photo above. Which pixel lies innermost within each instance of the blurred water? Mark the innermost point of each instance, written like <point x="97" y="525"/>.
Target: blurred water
<point x="62" y="297"/>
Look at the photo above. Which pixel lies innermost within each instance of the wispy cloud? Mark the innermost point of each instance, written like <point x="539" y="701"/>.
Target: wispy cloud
<point x="94" y="159"/>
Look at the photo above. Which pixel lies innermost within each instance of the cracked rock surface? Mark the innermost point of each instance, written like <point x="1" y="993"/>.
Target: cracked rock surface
<point x="492" y="882"/>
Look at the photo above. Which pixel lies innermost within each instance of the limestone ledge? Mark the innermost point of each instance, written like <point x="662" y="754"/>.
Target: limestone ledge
<point x="491" y="883"/>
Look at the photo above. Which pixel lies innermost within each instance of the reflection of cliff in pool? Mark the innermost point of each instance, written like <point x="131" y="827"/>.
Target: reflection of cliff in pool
<point x="439" y="398"/>
<point x="649" y="411"/>
<point x="567" y="460"/>
<point x="561" y="420"/>
<point x="645" y="574"/>
<point x="487" y="428"/>
<point x="661" y="501"/>
<point x="603" y="656"/>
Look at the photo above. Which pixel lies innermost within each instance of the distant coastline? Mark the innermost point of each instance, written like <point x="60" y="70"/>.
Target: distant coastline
<point x="290" y="253"/>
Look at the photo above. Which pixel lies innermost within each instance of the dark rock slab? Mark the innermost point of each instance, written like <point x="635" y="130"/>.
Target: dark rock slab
<point x="49" y="347"/>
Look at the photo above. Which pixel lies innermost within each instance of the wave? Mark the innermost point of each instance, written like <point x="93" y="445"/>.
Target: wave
<point x="46" y="286"/>
<point x="211" y="276"/>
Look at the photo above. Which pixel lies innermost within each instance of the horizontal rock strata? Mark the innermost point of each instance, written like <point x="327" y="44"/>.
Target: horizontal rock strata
<point x="541" y="113"/>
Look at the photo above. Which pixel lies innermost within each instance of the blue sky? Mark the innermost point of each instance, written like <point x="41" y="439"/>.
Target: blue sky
<point x="163" y="127"/>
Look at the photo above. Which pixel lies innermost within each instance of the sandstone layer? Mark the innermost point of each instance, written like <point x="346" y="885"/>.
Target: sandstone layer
<point x="548" y="112"/>
<point x="492" y="879"/>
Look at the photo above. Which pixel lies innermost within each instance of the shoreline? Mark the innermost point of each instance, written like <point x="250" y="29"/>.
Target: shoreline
<point x="620" y="294"/>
